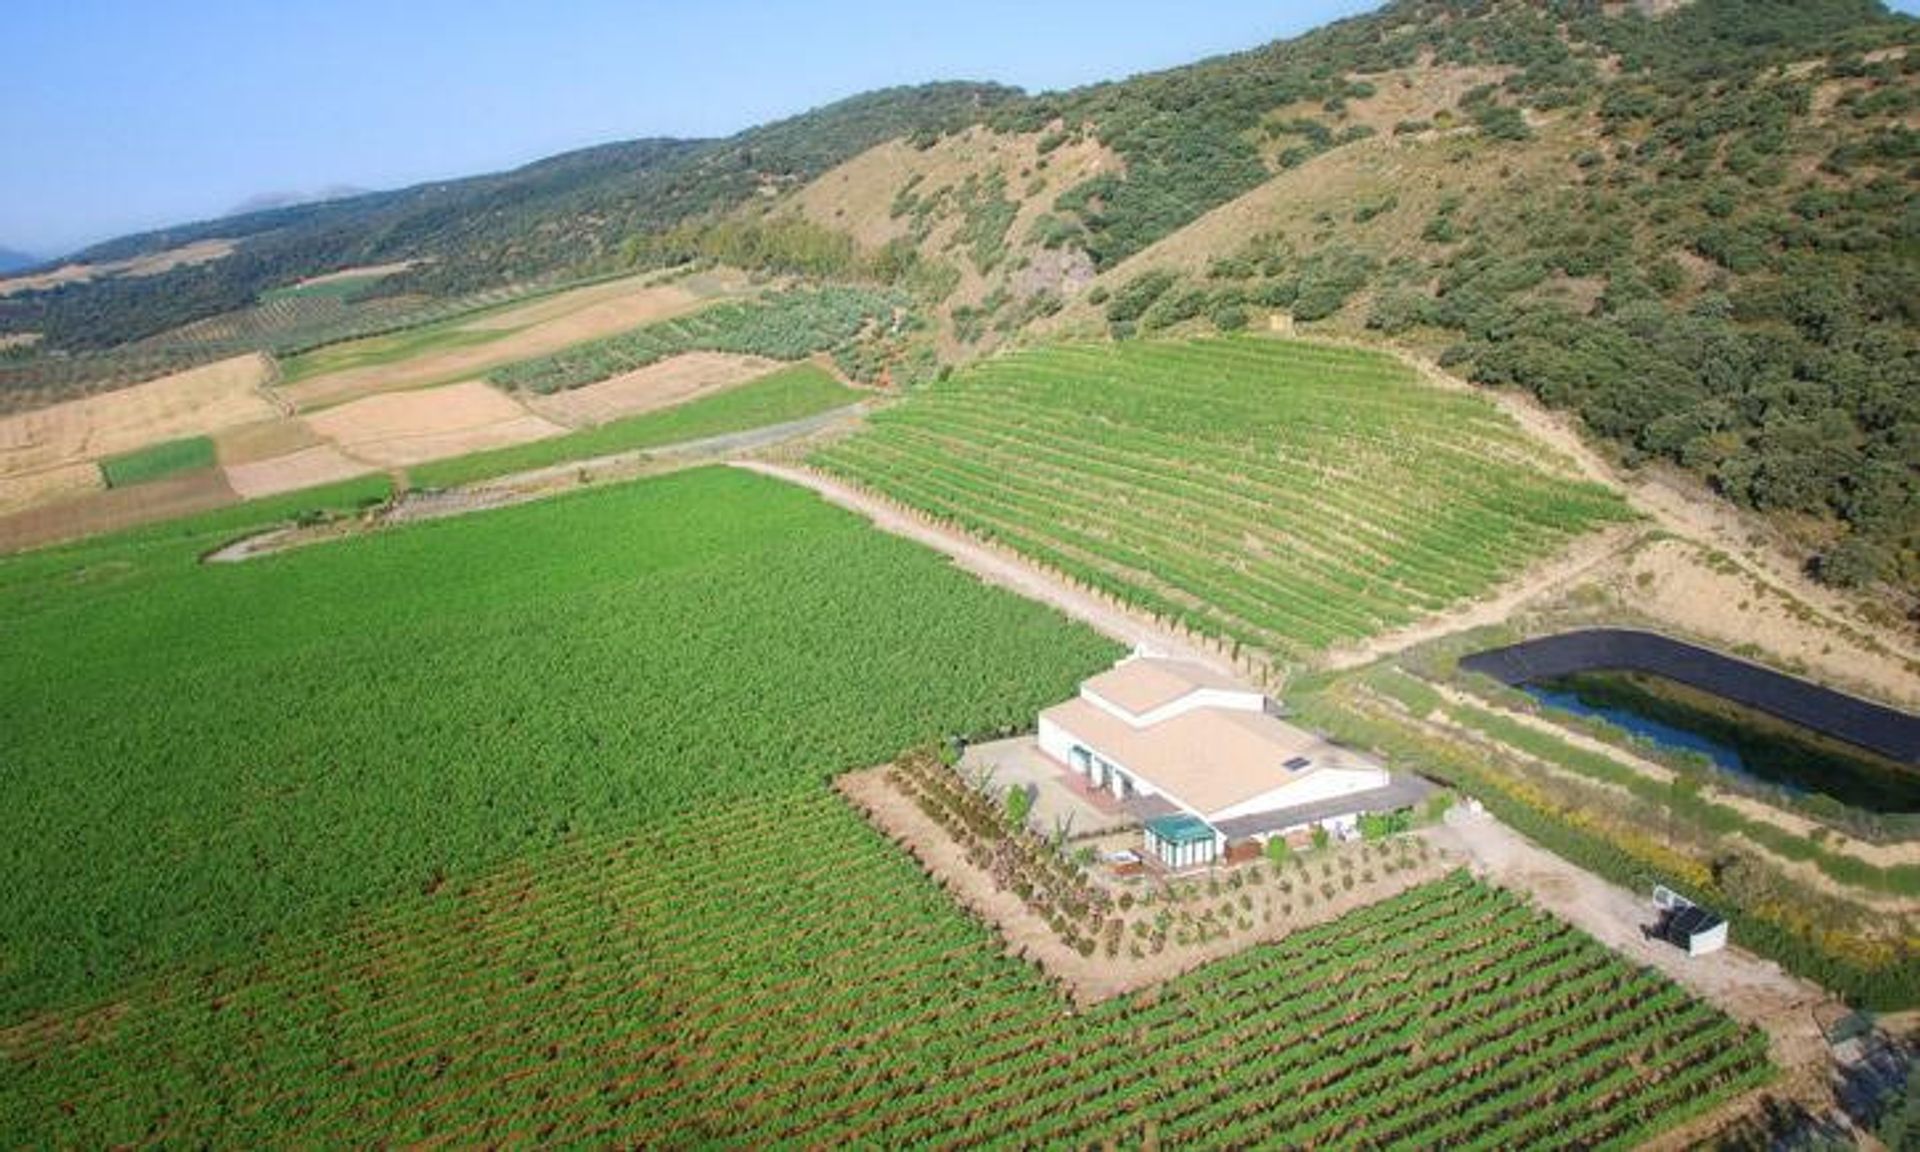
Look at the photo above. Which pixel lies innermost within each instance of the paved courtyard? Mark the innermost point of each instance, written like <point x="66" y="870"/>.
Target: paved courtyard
<point x="1056" y="795"/>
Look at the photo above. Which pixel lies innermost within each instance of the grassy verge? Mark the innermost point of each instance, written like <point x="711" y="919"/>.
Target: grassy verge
<point x="157" y="461"/>
<point x="789" y="394"/>
<point x="390" y="349"/>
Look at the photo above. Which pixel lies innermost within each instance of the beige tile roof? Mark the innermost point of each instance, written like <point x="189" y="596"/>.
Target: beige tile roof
<point x="1209" y="758"/>
<point x="1144" y="683"/>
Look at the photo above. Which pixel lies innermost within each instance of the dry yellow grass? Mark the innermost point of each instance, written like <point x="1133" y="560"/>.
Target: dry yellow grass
<point x="305" y="468"/>
<point x="543" y="326"/>
<point x="402" y="428"/>
<point x="28" y="489"/>
<point x="249" y="443"/>
<point x="199" y="402"/>
<point x="672" y="381"/>
<point x="152" y="264"/>
<point x="364" y="272"/>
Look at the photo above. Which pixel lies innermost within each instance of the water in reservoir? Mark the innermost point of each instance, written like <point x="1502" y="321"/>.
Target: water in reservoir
<point x="1736" y="740"/>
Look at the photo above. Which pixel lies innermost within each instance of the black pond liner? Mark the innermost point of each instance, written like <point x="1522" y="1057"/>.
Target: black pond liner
<point x="1875" y="727"/>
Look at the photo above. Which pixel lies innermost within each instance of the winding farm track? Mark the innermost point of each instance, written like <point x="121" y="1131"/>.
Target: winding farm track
<point x="995" y="565"/>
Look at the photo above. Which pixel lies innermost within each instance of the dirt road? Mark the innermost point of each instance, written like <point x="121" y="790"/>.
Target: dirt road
<point x="995" y="566"/>
<point x="1741" y="984"/>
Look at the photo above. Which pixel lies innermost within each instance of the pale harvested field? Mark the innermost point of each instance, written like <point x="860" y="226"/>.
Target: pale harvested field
<point x="364" y="272"/>
<point x="199" y="402"/>
<point x="672" y="381"/>
<point x="430" y="424"/>
<point x="306" y="468"/>
<point x="50" y="484"/>
<point x="199" y="252"/>
<point x="544" y="326"/>
<point x="111" y="509"/>
<point x="251" y="443"/>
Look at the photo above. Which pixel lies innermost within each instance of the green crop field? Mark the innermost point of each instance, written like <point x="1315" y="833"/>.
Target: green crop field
<point x="515" y="828"/>
<point x="785" y="325"/>
<point x="234" y="750"/>
<point x="391" y="348"/>
<point x="158" y="461"/>
<point x="1282" y="495"/>
<point x="776" y="398"/>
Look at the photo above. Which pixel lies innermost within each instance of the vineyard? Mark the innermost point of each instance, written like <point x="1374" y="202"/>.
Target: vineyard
<point x="1277" y="495"/>
<point x="772" y="972"/>
<point x="1637" y="830"/>
<point x="788" y="325"/>
<point x="302" y="735"/>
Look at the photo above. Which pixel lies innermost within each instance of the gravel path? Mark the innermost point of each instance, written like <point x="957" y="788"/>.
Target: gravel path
<point x="1741" y="984"/>
<point x="997" y="566"/>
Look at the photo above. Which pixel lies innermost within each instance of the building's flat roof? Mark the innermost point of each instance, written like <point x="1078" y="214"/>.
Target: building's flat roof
<point x="1209" y="758"/>
<point x="1140" y="684"/>
<point x="1401" y="791"/>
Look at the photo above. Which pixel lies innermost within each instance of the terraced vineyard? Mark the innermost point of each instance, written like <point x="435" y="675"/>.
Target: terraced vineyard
<point x="1281" y="495"/>
<point x="772" y="971"/>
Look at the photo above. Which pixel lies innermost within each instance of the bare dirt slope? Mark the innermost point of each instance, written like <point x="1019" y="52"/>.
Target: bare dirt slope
<point x="1414" y="174"/>
<point x="899" y="192"/>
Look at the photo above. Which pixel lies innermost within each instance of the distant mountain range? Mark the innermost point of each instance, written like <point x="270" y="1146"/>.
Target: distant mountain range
<point x="1691" y="225"/>
<point x="13" y="260"/>
<point x="268" y="201"/>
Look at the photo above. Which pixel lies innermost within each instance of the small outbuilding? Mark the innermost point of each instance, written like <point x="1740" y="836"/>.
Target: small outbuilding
<point x="1687" y="925"/>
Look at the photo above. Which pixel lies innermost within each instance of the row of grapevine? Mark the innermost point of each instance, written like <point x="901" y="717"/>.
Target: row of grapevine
<point x="772" y="971"/>
<point x="1286" y="497"/>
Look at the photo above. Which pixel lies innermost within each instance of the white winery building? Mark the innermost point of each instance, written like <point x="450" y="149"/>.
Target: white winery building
<point x="1204" y="760"/>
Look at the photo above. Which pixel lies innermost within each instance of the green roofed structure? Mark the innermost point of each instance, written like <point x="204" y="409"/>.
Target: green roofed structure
<point x="1182" y="841"/>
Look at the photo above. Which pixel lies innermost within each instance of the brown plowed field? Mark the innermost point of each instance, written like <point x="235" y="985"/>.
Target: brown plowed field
<point x="114" y="508"/>
<point x="251" y="443"/>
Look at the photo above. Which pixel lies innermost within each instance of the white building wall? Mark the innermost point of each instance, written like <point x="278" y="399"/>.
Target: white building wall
<point x="1058" y="742"/>
<point x="1319" y="784"/>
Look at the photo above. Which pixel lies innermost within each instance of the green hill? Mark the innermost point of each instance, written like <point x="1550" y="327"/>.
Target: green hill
<point x="1695" y="230"/>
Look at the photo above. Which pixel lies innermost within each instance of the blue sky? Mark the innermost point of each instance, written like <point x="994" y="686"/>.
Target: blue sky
<point x="124" y="114"/>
